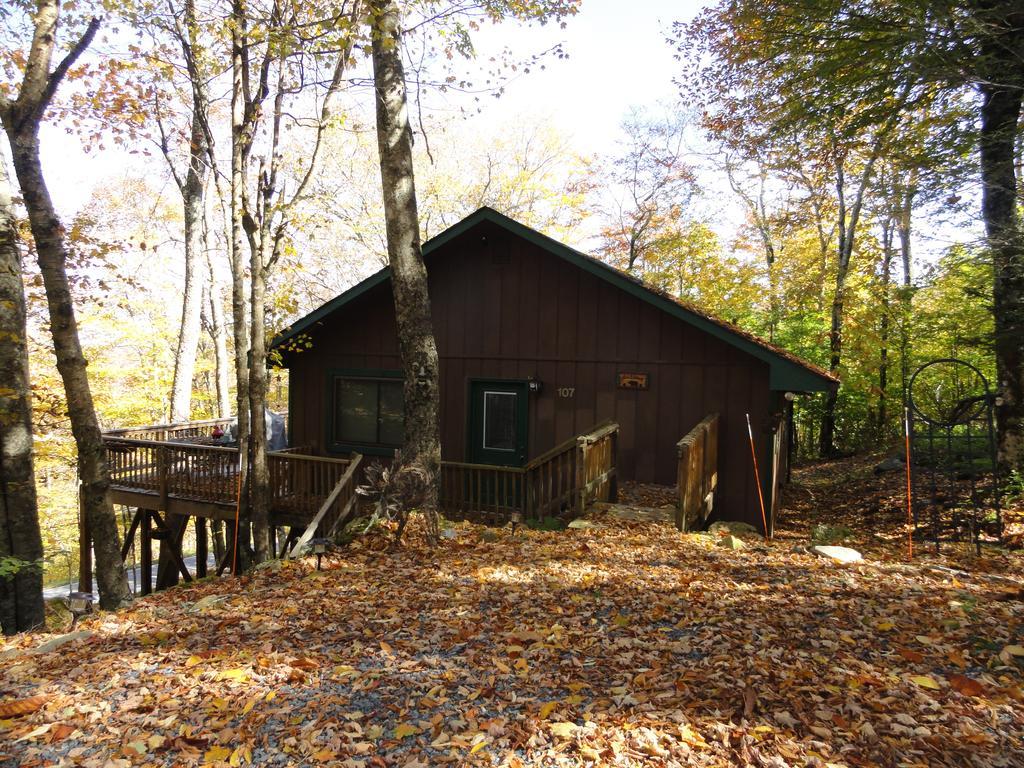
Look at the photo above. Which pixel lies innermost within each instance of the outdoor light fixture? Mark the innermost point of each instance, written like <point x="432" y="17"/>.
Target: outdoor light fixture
<point x="79" y="603"/>
<point x="517" y="519"/>
<point x="790" y="396"/>
<point x="534" y="385"/>
<point x="319" y="548"/>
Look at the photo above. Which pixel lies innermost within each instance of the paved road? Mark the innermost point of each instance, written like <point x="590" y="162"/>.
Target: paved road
<point x="133" y="579"/>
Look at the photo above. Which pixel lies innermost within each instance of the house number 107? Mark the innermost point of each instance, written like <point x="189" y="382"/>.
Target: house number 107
<point x="566" y="391"/>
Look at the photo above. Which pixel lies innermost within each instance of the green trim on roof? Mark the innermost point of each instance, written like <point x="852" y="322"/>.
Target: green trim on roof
<point x="784" y="373"/>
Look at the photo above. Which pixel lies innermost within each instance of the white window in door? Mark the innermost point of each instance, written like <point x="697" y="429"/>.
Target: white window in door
<point x="499" y="421"/>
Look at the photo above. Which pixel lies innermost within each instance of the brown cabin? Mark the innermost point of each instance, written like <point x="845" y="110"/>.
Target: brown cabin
<point x="538" y="343"/>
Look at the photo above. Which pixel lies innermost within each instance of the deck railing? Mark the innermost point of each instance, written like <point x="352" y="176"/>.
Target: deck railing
<point x="337" y="509"/>
<point x="164" y="432"/>
<point x="567" y="478"/>
<point x="299" y="484"/>
<point x="697" y="474"/>
<point x="156" y="460"/>
<point x="480" y="489"/>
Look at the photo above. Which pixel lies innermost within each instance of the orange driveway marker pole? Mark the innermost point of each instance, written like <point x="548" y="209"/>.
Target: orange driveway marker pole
<point x="757" y="477"/>
<point x="910" y="511"/>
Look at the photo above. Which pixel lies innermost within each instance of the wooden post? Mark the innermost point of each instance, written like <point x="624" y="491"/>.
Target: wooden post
<point x="201" y="550"/>
<point x="161" y="469"/>
<point x="581" y="476"/>
<point x="146" y="554"/>
<point x="84" y="548"/>
<point x="229" y="548"/>
<point x="613" y="485"/>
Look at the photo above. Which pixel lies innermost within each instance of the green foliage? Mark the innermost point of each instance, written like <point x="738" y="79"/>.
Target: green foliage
<point x="545" y="524"/>
<point x="11" y="566"/>
<point x="830" y="534"/>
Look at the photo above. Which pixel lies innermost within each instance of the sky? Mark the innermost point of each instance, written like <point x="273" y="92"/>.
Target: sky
<point x="618" y="58"/>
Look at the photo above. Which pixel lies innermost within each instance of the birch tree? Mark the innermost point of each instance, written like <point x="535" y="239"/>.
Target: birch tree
<point x="21" y="545"/>
<point x="22" y="116"/>
<point x="180" y="23"/>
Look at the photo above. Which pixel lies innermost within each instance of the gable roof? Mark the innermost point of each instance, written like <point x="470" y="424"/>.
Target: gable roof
<point x="787" y="371"/>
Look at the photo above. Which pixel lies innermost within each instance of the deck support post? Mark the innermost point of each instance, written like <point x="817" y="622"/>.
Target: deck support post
<point x="146" y="552"/>
<point x="172" y="561"/>
<point x="201" y="550"/>
<point x="225" y="563"/>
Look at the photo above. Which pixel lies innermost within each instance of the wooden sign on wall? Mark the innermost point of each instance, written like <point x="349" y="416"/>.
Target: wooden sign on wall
<point x="633" y="380"/>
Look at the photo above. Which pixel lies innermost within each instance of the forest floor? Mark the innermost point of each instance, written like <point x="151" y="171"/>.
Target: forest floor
<point x="622" y="644"/>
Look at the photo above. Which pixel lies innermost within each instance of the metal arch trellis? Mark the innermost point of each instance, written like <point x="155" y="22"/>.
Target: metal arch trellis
<point x="954" y="469"/>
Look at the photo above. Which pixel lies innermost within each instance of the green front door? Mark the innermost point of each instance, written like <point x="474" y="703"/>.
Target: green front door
<point x="498" y="412"/>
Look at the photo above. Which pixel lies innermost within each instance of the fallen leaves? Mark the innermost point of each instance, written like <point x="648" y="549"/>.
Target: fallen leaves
<point x="924" y="681"/>
<point x="20" y="707"/>
<point x="966" y="685"/>
<point x="563" y="730"/>
<point x="643" y="648"/>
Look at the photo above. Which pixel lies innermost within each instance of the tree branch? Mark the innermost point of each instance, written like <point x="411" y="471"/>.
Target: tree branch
<point x="54" y="80"/>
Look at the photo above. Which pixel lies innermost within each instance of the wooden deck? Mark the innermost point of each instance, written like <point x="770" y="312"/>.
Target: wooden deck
<point x="170" y="473"/>
<point x="202" y="480"/>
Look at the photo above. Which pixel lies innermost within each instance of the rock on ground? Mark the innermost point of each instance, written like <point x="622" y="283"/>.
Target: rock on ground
<point x="735" y="528"/>
<point x="839" y="554"/>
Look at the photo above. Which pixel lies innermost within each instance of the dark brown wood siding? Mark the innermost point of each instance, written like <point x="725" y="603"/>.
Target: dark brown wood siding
<point x="505" y="309"/>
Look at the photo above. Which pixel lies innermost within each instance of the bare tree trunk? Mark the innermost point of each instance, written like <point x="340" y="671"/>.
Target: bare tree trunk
<point x="21" y="120"/>
<point x="71" y="363"/>
<point x="848" y="219"/>
<point x="827" y="440"/>
<point x="193" y="192"/>
<point x="408" y="273"/>
<point x="1000" y="117"/>
<point x="218" y="333"/>
<point x="239" y="143"/>
<point x="888" y="225"/>
<point x="259" y="480"/>
<point x="188" y="334"/>
<point x="21" y="597"/>
<point x="903" y="229"/>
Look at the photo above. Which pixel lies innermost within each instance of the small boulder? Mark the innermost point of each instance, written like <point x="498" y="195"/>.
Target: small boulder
<point x="735" y="528"/>
<point x="839" y="554"/>
<point x="449" y="533"/>
<point x="581" y="523"/>
<point x="57" y="642"/>
<point x="731" y="542"/>
<point x="891" y="464"/>
<point x="206" y="603"/>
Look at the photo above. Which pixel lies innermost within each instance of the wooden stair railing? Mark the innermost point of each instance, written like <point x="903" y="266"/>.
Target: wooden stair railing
<point x="574" y="473"/>
<point x="343" y="498"/>
<point x="697" y="473"/>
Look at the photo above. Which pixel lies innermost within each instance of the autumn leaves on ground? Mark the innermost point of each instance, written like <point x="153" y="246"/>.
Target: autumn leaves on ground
<point x="622" y="644"/>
